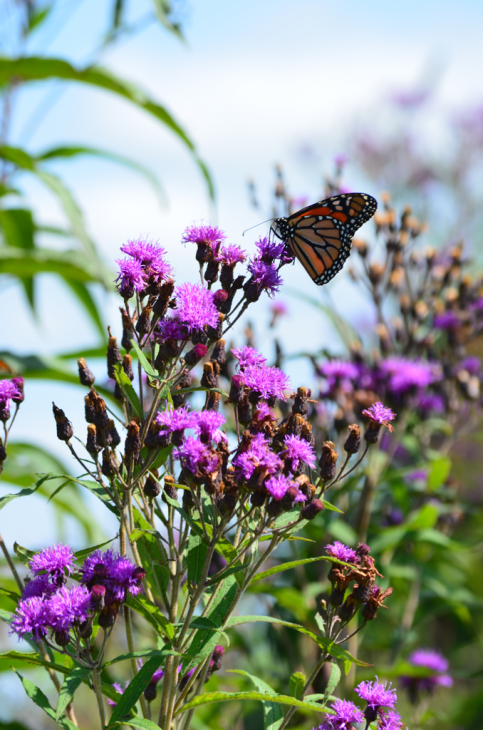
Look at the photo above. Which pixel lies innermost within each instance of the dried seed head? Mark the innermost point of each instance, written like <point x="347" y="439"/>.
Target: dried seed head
<point x="353" y="441"/>
<point x="328" y="461"/>
<point x="85" y="375"/>
<point x="113" y="355"/>
<point x="90" y="412"/>
<point x="91" y="444"/>
<point x="127" y="366"/>
<point x="64" y="426"/>
<point x="218" y="353"/>
<point x="143" y="325"/>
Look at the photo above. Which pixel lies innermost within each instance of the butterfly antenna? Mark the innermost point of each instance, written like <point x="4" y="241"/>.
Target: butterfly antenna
<point x="258" y="224"/>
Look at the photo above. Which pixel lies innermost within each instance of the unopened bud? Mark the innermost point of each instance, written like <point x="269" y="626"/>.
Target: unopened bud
<point x="113" y="356"/>
<point x="143" y="325"/>
<point x="312" y="509"/>
<point x="328" y="461"/>
<point x="237" y="388"/>
<point x="209" y="378"/>
<point x="353" y="441"/>
<point x="64" y="426"/>
<point x="91" y="444"/>
<point x="90" y="413"/>
<point x="86" y="377"/>
<point x="160" y="306"/>
<point x="110" y="464"/>
<point x="212" y="402"/>
<point x="127" y="366"/>
<point x="169" y="488"/>
<point x="193" y="356"/>
<point x="115" y="438"/>
<point x="218" y="353"/>
<point x="132" y="445"/>
<point x="3" y="453"/>
<point x="301" y="402"/>
<point x="19" y="382"/>
<point x="98" y="596"/>
<point x="151" y="487"/>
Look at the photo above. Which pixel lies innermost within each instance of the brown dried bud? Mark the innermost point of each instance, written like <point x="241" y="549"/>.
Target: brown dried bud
<point x="353" y="441"/>
<point x="312" y="509"/>
<point x="373" y="432"/>
<point x="328" y="461"/>
<point x="143" y="325"/>
<point x="127" y="366"/>
<point x="151" y="487"/>
<point x="110" y="464"/>
<point x="360" y="246"/>
<point x="209" y="379"/>
<point x="421" y="310"/>
<point x="101" y="419"/>
<point x="115" y="438"/>
<point x="376" y="272"/>
<point x="91" y="445"/>
<point x="3" y="453"/>
<point x="301" y="402"/>
<point x="132" y="445"/>
<point x="169" y="488"/>
<point x="86" y="377"/>
<point x="160" y="306"/>
<point x="113" y="355"/>
<point x="64" y="426"/>
<point x="405" y="303"/>
<point x="90" y="412"/>
<point x="211" y="271"/>
<point x="212" y="402"/>
<point x="214" y="333"/>
<point x="218" y="353"/>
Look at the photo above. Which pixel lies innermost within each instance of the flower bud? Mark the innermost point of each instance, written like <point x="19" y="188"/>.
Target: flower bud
<point x="110" y="464"/>
<point x="107" y="618"/>
<point x="132" y="445"/>
<point x="91" y="444"/>
<point x="348" y="608"/>
<point x="336" y="598"/>
<point x="160" y="306"/>
<point x="361" y="593"/>
<point x="288" y="499"/>
<point x="209" y="379"/>
<point x="127" y="366"/>
<point x="101" y="418"/>
<point x="220" y="297"/>
<point x="312" y="509"/>
<point x="218" y="353"/>
<point x="328" y="461"/>
<point x="258" y="497"/>
<point x="211" y="272"/>
<point x="274" y="507"/>
<point x="169" y="488"/>
<point x="150" y="692"/>
<point x="301" y="402"/>
<point x="90" y="413"/>
<point x="353" y="441"/>
<point x="151" y="487"/>
<point x="139" y="574"/>
<point x="20" y="383"/>
<point x="237" y="388"/>
<point x="64" y="426"/>
<point x="62" y="638"/>
<point x="212" y="401"/>
<point x="113" y="356"/>
<point x="86" y="377"/>
<point x="214" y="333"/>
<point x="3" y="453"/>
<point x="193" y="356"/>
<point x="98" y="596"/>
<point x="217" y="658"/>
<point x="143" y="325"/>
<point x="127" y="330"/>
<point x="4" y="414"/>
<point x="188" y="501"/>
<point x="115" y="438"/>
<point x="373" y="432"/>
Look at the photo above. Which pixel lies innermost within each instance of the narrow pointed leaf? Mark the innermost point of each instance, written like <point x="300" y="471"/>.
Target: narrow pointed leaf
<point x="67" y="691"/>
<point x="136" y="687"/>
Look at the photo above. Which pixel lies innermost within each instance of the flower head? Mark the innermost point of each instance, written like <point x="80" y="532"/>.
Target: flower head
<point x="447" y="321"/>
<point x="204" y="234"/>
<point x="345" y="713"/>
<point x="40" y="586"/>
<point x="207" y="425"/>
<point x="378" y="413"/>
<point x="192" y="453"/>
<point x="131" y="277"/>
<point x="405" y="375"/>
<point x="376" y="694"/>
<point x="151" y="258"/>
<point x="8" y="390"/>
<point x="429" y="659"/>
<point x="169" y="329"/>
<point x="67" y="606"/>
<point x="277" y="486"/>
<point x="298" y="450"/>
<point x="279" y="308"/>
<point x="248" y="356"/>
<point x="390" y="720"/>
<point x="342" y="552"/>
<point x="175" y="419"/>
<point x="195" y="307"/>
<point x="257" y="456"/>
<point x="269" y="250"/>
<point x="268" y="382"/>
<point x="113" y="571"/>
<point x="31" y="617"/>
<point x="232" y="254"/>
<point x="54" y="561"/>
<point x="265" y="276"/>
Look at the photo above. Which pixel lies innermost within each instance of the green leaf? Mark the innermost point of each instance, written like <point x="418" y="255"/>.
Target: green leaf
<point x="333" y="650"/>
<point x="142" y="605"/>
<point x="136" y="687"/>
<point x="68" y="689"/>
<point x="334" y="680"/>
<point x="197" y="551"/>
<point x="39" y="69"/>
<point x="153" y="556"/>
<point x="439" y="473"/>
<point x="81" y="554"/>
<point x="23" y="554"/>
<point x="126" y="387"/>
<point x="13" y="595"/>
<point x="24" y="492"/>
<point x="163" y="653"/>
<point x="347" y="666"/>
<point x="210" y="697"/>
<point x="163" y="13"/>
<point x="297" y="684"/>
<point x="272" y="711"/>
<point x="162" y="457"/>
<point x="293" y="564"/>
<point x="71" y="264"/>
<point x="32" y="658"/>
<point x="139" y="722"/>
<point x="38" y="697"/>
<point x="146" y="365"/>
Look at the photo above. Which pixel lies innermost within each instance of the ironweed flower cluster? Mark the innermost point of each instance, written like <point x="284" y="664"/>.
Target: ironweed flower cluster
<point x="11" y="391"/>
<point x="380" y="700"/>
<point x="438" y="676"/>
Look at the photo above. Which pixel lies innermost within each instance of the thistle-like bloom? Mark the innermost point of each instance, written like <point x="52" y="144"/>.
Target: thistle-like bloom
<point x="248" y="356"/>
<point x="277" y="486"/>
<point x="431" y="402"/>
<point x="8" y="391"/>
<point x="430" y="659"/>
<point x="338" y="370"/>
<point x="378" y="413"/>
<point x="55" y="561"/>
<point x="31" y="617"/>
<point x="169" y="329"/>
<point x="268" y="382"/>
<point x="345" y="713"/>
<point x="265" y="276"/>
<point x="150" y="256"/>
<point x="131" y="277"/>
<point x="192" y="453"/>
<point x="376" y="694"/>
<point x="195" y="307"/>
<point x="40" y="586"/>
<point x="435" y="662"/>
<point x="68" y="606"/>
<point x="175" y="419"/>
<point x="390" y="720"/>
<point x="204" y="234"/>
<point x="258" y="455"/>
<point x="113" y="571"/>
<point x="297" y="450"/>
<point x="342" y="552"/>
<point x="447" y="321"/>
<point x="207" y="425"/>
<point x="269" y="250"/>
<point x="405" y="375"/>
<point x="232" y="255"/>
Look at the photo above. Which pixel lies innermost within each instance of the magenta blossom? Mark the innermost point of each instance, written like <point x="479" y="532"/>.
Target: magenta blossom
<point x="345" y="713"/>
<point x="378" y="413"/>
<point x="55" y="561"/>
<point x="195" y="307"/>
<point x="68" y="606"/>
<point x="258" y="455"/>
<point x="267" y="382"/>
<point x="9" y="390"/>
<point x="390" y="720"/>
<point x="131" y="277"/>
<point x="207" y="425"/>
<point x="342" y="552"/>
<point x="376" y="695"/>
<point x="277" y="486"/>
<point x="210" y="235"/>
<point x="297" y="450"/>
<point x="232" y="255"/>
<point x="31" y="617"/>
<point x="248" y="356"/>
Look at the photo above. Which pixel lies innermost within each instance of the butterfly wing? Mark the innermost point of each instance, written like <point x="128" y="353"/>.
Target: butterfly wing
<point x="320" y="235"/>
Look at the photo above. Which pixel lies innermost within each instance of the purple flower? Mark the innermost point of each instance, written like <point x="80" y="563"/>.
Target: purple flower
<point x="8" y="390"/>
<point x="376" y="694"/>
<point x="339" y="374"/>
<point x="390" y="720"/>
<point x="207" y="425"/>
<point x="30" y="618"/>
<point x="342" y="552"/>
<point x="446" y="321"/>
<point x="232" y="254"/>
<point x="278" y="486"/>
<point x="345" y="713"/>
<point x="191" y="454"/>
<point x="258" y="455"/>
<point x="175" y="419"/>
<point x="429" y="659"/>
<point x="113" y="571"/>
<point x="378" y="413"/>
<point x="405" y="375"/>
<point x="210" y="235"/>
<point x="428" y="402"/>
<point x="170" y="329"/>
<point x="67" y="606"/>
<point x="151" y="258"/>
<point x="269" y="250"/>
<point x="297" y="450"/>
<point x="248" y="356"/>
<point x="471" y="364"/>
<point x="268" y="382"/>
<point x="54" y="561"/>
<point x="195" y="307"/>
<point x="131" y="277"/>
<point x="265" y="276"/>
<point x="119" y="688"/>
<point x="40" y="586"/>
<point x="279" y="308"/>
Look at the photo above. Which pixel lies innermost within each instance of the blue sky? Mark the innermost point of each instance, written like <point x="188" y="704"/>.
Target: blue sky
<point x="255" y="81"/>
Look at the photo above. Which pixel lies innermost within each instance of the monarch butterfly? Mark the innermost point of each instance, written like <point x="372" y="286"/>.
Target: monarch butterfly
<point x="320" y="235"/>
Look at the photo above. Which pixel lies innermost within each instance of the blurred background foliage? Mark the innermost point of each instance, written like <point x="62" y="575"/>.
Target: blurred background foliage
<point x="432" y="557"/>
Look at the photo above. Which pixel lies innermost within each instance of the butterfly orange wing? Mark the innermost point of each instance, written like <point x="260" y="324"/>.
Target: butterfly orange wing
<point x="320" y="235"/>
